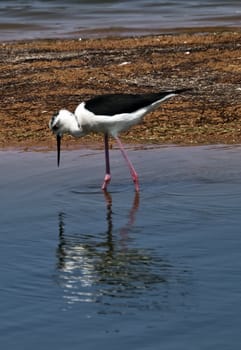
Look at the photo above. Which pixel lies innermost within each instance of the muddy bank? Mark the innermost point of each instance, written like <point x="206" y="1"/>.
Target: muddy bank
<point x="39" y="77"/>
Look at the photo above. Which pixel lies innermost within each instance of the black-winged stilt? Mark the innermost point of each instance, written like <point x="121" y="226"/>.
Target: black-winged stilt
<point x="109" y="114"/>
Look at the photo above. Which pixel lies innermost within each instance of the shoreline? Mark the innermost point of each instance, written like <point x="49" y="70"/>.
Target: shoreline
<point x="122" y="33"/>
<point x="38" y="77"/>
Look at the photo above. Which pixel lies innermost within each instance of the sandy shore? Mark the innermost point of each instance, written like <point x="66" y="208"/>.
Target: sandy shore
<point x="39" y="77"/>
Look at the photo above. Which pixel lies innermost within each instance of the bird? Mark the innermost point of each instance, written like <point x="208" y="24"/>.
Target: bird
<point x="109" y="114"/>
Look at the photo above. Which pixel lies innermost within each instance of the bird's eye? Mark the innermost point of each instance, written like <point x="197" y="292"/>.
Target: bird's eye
<point x="53" y="118"/>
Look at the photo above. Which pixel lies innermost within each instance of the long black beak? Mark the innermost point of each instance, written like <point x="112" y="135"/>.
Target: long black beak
<point x="58" y="138"/>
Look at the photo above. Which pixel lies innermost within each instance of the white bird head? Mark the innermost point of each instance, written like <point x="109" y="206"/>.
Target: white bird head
<point x="64" y="122"/>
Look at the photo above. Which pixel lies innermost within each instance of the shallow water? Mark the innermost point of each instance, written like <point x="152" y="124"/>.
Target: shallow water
<point x="81" y="269"/>
<point x="27" y="19"/>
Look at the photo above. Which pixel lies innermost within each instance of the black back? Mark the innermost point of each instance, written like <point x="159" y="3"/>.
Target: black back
<point x="112" y="104"/>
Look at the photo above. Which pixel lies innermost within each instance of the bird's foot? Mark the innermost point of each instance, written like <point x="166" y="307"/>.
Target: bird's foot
<point x="106" y="182"/>
<point x="136" y="182"/>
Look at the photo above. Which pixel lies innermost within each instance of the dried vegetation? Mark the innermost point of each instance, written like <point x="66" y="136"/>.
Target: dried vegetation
<point x="39" y="77"/>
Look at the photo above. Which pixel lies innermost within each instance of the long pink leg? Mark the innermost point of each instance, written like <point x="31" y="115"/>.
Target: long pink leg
<point x="132" y="169"/>
<point x="107" y="177"/>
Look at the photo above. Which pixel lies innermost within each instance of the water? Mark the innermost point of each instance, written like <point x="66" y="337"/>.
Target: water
<point x="82" y="270"/>
<point x="26" y="19"/>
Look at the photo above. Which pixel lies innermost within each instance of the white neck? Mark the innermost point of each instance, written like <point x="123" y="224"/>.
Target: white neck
<point x="69" y="124"/>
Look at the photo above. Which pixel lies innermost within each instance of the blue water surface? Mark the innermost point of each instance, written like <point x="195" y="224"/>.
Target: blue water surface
<point x="80" y="268"/>
<point x="27" y="19"/>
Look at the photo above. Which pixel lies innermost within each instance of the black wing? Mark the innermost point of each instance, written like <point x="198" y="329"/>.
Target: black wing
<point x="112" y="104"/>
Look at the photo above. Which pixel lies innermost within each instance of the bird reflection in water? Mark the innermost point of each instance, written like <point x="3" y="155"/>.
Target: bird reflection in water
<point x="105" y="269"/>
<point x="131" y="218"/>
